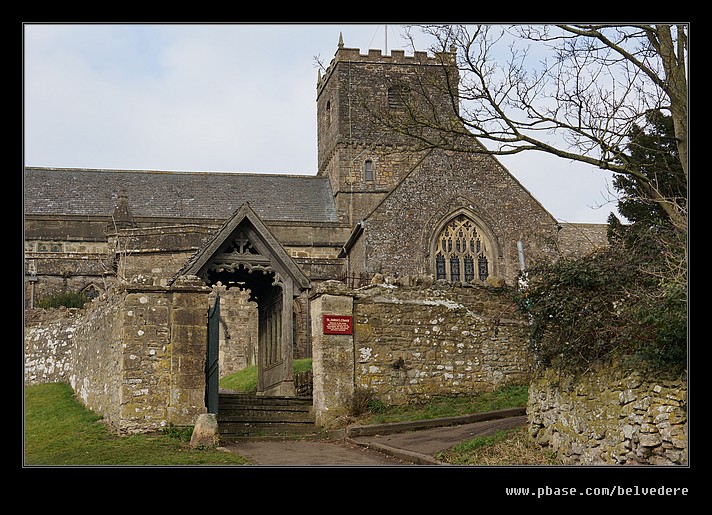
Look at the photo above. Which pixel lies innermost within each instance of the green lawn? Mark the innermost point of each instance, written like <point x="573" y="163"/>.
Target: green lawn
<point x="61" y="431"/>
<point x="246" y="380"/>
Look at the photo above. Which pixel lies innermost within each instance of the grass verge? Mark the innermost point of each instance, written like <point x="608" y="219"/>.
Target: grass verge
<point x="508" y="447"/>
<point x="61" y="431"/>
<point x="246" y="380"/>
<point x="511" y="396"/>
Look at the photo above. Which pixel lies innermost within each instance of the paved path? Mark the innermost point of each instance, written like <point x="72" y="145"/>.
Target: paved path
<point x="322" y="452"/>
<point x="421" y="446"/>
<point x="386" y="445"/>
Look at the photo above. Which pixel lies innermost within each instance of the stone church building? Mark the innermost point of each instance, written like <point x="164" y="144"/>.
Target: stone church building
<point x="377" y="206"/>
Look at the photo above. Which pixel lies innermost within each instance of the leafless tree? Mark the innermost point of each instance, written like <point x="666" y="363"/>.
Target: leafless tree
<point x="573" y="91"/>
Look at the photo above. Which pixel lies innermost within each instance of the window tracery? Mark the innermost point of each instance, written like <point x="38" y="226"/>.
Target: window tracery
<point x="458" y="247"/>
<point x="91" y="291"/>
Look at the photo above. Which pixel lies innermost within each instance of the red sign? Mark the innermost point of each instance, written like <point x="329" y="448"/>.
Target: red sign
<point x="338" y="324"/>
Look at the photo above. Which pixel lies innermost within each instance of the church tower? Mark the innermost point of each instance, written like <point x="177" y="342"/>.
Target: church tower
<point x="362" y="159"/>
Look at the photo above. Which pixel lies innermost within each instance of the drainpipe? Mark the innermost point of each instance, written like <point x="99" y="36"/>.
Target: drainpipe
<point x="33" y="279"/>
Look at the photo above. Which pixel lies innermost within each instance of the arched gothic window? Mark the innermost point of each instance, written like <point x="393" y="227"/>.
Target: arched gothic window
<point x="458" y="248"/>
<point x="91" y="291"/>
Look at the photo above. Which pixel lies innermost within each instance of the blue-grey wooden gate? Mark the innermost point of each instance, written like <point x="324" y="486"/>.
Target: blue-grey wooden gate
<point x="211" y="363"/>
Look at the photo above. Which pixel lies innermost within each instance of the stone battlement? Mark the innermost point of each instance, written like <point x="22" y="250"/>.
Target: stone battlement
<point x="376" y="56"/>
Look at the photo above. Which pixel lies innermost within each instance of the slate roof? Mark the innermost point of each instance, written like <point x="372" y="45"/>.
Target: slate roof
<point x="210" y="195"/>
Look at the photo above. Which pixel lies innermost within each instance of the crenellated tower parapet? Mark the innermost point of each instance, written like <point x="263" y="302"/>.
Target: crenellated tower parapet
<point x="376" y="56"/>
<point x="355" y="93"/>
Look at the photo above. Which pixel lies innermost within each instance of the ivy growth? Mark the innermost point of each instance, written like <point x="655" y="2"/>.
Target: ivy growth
<point x="613" y="303"/>
<point x="628" y="300"/>
<point x="68" y="300"/>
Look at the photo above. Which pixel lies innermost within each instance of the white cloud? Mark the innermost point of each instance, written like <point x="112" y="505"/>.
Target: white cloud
<point x="211" y="97"/>
<point x="571" y="192"/>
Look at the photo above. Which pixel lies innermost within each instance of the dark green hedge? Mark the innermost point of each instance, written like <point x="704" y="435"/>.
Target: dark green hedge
<point x="623" y="302"/>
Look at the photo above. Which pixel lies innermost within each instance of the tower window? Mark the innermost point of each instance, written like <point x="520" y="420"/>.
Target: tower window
<point x="368" y="170"/>
<point x="397" y="96"/>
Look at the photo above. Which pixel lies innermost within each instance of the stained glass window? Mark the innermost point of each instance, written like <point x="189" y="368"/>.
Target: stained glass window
<point x="483" y="268"/>
<point x="469" y="269"/>
<point x="440" y="267"/>
<point x="455" y="260"/>
<point x="454" y="268"/>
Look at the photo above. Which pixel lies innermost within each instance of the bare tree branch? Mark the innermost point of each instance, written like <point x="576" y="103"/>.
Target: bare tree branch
<point x="573" y="91"/>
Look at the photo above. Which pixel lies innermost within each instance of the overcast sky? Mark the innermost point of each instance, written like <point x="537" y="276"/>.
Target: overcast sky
<point x="224" y="97"/>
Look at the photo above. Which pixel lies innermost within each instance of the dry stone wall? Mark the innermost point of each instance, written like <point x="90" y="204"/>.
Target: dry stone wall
<point x="610" y="416"/>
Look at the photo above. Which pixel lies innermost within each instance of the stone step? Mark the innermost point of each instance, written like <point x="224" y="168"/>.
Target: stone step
<point x="237" y="399"/>
<point x="248" y="415"/>
<point x="261" y="414"/>
<point x="231" y="431"/>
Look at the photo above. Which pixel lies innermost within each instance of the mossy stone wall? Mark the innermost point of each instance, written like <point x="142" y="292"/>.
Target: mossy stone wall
<point x="609" y="416"/>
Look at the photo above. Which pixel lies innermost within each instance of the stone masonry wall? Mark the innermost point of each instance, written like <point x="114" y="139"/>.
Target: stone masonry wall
<point x="609" y="417"/>
<point x="576" y="240"/>
<point x="146" y="361"/>
<point x="399" y="238"/>
<point x="413" y="343"/>
<point x="81" y="348"/>
<point x="238" y="330"/>
<point x="135" y="355"/>
<point x="333" y="356"/>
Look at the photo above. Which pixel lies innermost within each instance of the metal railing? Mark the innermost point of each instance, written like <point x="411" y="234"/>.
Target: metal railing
<point x="356" y="280"/>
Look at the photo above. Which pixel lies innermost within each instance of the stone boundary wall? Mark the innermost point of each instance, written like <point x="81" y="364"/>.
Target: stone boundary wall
<point x="81" y="348"/>
<point x="413" y="343"/>
<point x="610" y="417"/>
<point x="136" y="356"/>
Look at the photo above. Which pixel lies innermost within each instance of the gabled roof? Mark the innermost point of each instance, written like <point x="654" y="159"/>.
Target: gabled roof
<point x="208" y="195"/>
<point x="270" y="250"/>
